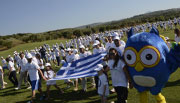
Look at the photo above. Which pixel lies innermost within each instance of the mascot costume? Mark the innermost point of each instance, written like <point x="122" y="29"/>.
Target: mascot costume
<point x="150" y="62"/>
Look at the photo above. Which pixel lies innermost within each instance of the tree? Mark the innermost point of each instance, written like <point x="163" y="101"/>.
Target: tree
<point x="102" y="29"/>
<point x="77" y="33"/>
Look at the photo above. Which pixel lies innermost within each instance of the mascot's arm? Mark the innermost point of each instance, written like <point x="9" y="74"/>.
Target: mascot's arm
<point x="174" y="57"/>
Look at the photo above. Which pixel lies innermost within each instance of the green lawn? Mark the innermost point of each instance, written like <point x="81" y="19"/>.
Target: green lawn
<point x="9" y="95"/>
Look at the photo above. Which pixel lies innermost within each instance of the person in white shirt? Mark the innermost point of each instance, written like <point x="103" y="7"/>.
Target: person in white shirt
<point x="177" y="35"/>
<point x="23" y="73"/>
<point x="33" y="70"/>
<point x="49" y="74"/>
<point x="119" y="45"/>
<point x="109" y="43"/>
<point x="12" y="72"/>
<point x="97" y="48"/>
<point x="119" y="75"/>
<point x="63" y="54"/>
<point x="103" y="86"/>
<point x="1" y="78"/>
<point x="76" y="57"/>
<point x="53" y="56"/>
<point x="40" y="62"/>
<point x="4" y="63"/>
<point x="57" y="53"/>
<point x="69" y="59"/>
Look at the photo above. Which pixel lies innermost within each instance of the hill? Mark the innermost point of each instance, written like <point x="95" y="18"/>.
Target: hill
<point x="9" y="41"/>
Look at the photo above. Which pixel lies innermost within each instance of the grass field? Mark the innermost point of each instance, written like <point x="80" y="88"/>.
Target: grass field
<point x="9" y="95"/>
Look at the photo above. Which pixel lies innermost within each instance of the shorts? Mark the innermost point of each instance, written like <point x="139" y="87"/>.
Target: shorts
<point x="5" y="67"/>
<point x="51" y="82"/>
<point x="35" y="84"/>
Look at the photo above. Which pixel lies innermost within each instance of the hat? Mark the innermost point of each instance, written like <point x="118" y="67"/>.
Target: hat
<point x="115" y="34"/>
<point x="68" y="49"/>
<point x="96" y="42"/>
<point x="82" y="46"/>
<point x="75" y="51"/>
<point x="47" y="64"/>
<point x="29" y="56"/>
<point x="99" y="67"/>
<point x="116" y="38"/>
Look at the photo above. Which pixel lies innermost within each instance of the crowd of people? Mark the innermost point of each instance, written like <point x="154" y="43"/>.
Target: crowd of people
<point x="35" y="65"/>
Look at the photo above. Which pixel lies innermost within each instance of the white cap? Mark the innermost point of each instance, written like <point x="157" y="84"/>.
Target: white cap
<point x="68" y="49"/>
<point x="29" y="56"/>
<point x="99" y="67"/>
<point x="115" y="34"/>
<point x="82" y="46"/>
<point x="75" y="51"/>
<point x="96" y="42"/>
<point x="87" y="49"/>
<point x="116" y="38"/>
<point x="47" y="64"/>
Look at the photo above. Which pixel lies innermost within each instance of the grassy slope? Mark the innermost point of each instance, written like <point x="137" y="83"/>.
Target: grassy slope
<point x="171" y="91"/>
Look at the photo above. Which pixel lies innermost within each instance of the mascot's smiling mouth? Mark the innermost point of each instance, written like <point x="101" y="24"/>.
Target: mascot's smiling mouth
<point x="144" y="81"/>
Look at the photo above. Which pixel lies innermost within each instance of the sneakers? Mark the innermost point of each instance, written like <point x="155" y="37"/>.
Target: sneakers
<point x="75" y="89"/>
<point x="29" y="101"/>
<point x="28" y="87"/>
<point x="17" y="88"/>
<point x="5" y="83"/>
<point x="3" y="87"/>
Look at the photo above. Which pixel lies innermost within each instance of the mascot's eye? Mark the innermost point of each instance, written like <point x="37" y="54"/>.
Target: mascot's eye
<point x="130" y="57"/>
<point x="149" y="56"/>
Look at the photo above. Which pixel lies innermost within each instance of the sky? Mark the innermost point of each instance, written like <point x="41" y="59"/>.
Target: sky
<point x="34" y="16"/>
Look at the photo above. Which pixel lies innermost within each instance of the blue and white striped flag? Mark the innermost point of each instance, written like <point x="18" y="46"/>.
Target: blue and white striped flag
<point x="80" y="68"/>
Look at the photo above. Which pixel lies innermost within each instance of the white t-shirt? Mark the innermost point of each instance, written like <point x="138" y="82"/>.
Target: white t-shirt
<point x="100" y="50"/>
<point x="101" y="83"/>
<point x="76" y="57"/>
<point x="40" y="62"/>
<point x="4" y="63"/>
<point x="70" y="58"/>
<point x="57" y="52"/>
<point x="11" y="65"/>
<point x="22" y="63"/>
<point x="32" y="69"/>
<point x="120" y="49"/>
<point x="49" y="74"/>
<point x="85" y="54"/>
<point x="117" y="74"/>
<point x="109" y="45"/>
<point x="62" y="52"/>
<point x="53" y="55"/>
<point x="177" y="39"/>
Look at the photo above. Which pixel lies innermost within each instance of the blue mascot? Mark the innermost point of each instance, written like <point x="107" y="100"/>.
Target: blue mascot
<point x="150" y="63"/>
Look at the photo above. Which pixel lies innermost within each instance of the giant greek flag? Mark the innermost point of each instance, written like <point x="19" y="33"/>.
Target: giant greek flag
<point x="80" y="68"/>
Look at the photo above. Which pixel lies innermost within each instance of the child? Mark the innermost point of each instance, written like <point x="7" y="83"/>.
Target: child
<point x="1" y="78"/>
<point x="49" y="74"/>
<point x="103" y="87"/>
